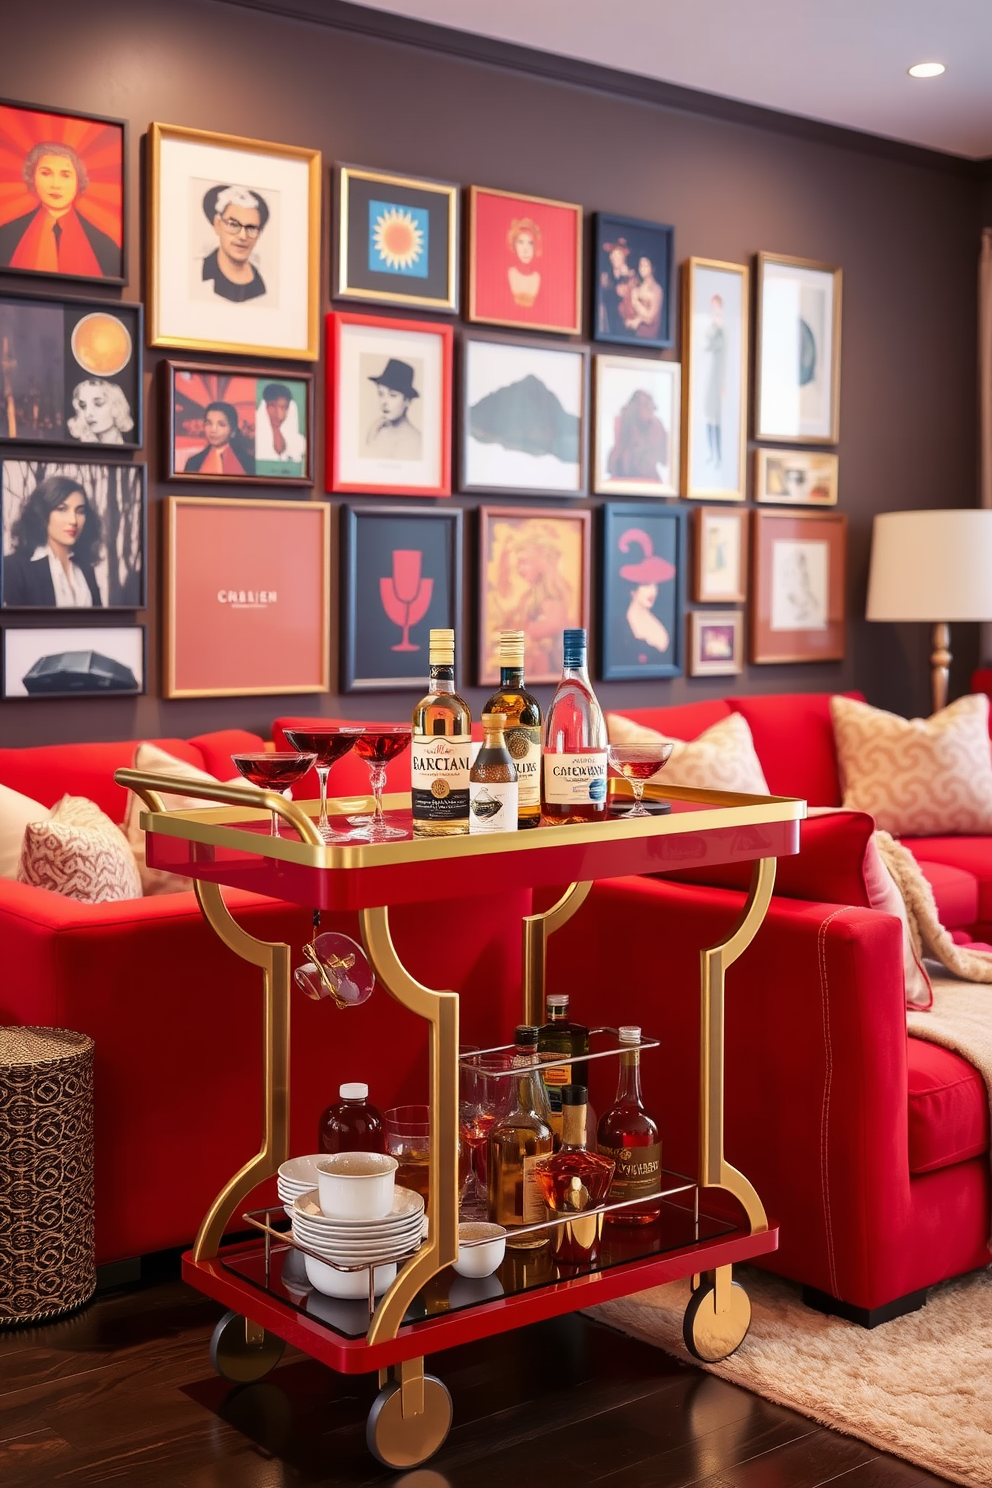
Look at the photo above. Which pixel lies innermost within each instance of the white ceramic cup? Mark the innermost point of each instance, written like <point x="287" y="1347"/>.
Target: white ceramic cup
<point x="480" y="1260"/>
<point x="356" y="1185"/>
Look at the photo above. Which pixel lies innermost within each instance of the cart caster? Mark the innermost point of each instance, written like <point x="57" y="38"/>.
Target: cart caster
<point x="242" y="1351"/>
<point x="407" y="1441"/>
<point x="711" y="1335"/>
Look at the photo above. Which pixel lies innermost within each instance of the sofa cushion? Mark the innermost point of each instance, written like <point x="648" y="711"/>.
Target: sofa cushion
<point x="720" y="758"/>
<point x="687" y="721"/>
<point x="17" y="812"/>
<point x="216" y="750"/>
<point x="50" y="771"/>
<point x="948" y="1108"/>
<point x="78" y="851"/>
<point x="794" y="739"/>
<point x="956" y="890"/>
<point x="155" y="760"/>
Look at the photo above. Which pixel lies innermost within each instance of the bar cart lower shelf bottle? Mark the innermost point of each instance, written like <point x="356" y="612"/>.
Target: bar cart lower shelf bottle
<point x="428" y="1307"/>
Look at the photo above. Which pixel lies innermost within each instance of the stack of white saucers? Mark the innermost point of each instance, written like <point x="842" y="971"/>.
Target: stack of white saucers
<point x="357" y="1242"/>
<point x="298" y="1176"/>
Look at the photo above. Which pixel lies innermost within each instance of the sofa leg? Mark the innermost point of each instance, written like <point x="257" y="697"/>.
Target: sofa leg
<point x="865" y="1317"/>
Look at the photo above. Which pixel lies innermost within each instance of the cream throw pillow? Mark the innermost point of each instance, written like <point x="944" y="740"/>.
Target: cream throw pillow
<point x="918" y="777"/>
<point x="159" y="761"/>
<point x="77" y="851"/>
<point x="722" y="758"/>
<point x="17" y="812"/>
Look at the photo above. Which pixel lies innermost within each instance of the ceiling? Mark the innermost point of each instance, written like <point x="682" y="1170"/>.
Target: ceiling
<point x="841" y="61"/>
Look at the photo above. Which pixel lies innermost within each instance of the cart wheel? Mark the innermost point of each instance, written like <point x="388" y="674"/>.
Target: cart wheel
<point x="407" y="1442"/>
<point x="712" y="1336"/>
<point x="241" y="1351"/>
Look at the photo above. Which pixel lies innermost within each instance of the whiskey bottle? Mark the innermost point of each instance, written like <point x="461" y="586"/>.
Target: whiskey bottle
<point x="629" y="1136"/>
<point x="517" y="1142"/>
<point x="527" y="1056"/>
<point x="492" y="782"/>
<point x="442" y="735"/>
<point x="559" y="1035"/>
<point x="573" y="785"/>
<point x="572" y="1181"/>
<point x="522" y="726"/>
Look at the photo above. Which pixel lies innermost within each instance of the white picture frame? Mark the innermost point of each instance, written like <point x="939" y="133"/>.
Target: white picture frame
<point x="504" y="383"/>
<point x="636" y="426"/>
<point x="797" y="377"/>
<point x="714" y="361"/>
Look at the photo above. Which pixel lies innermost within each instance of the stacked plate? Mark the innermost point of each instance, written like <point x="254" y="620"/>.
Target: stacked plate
<point x="350" y="1242"/>
<point x="298" y="1176"/>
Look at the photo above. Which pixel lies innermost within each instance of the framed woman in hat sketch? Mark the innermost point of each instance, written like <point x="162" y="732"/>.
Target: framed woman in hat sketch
<point x="388" y="405"/>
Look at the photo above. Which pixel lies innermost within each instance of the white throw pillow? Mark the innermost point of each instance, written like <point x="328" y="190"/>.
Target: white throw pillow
<point x="17" y="812"/>
<point x="156" y="761"/>
<point x="77" y="851"/>
<point x="721" y="758"/>
<point x="918" y="777"/>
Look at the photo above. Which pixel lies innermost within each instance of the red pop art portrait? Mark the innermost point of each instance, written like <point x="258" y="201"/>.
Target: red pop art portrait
<point x="61" y="194"/>
<point x="525" y="261"/>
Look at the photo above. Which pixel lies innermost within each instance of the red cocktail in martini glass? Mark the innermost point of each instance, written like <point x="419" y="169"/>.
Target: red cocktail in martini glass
<point x="328" y="745"/>
<point x="378" y="744"/>
<point x="276" y="770"/>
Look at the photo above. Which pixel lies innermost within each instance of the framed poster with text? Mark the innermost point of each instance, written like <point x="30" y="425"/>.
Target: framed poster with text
<point x="247" y="597"/>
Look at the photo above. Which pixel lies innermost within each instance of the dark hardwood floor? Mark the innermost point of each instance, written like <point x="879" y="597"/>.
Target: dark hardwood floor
<point x="124" y="1393"/>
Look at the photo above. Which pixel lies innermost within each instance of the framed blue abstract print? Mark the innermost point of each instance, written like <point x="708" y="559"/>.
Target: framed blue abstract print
<point x="397" y="239"/>
<point x="642" y="591"/>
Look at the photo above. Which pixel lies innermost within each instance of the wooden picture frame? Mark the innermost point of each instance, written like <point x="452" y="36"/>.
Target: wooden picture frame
<point x="798" y="593"/>
<point x="401" y="576"/>
<point x="247" y="605"/>
<point x="524" y="261"/>
<point x="715" y="300"/>
<point x="632" y="306"/>
<point x="716" y="643"/>
<point x="797" y="356"/>
<point x="236" y="402"/>
<point x="519" y="548"/>
<point x="636" y="426"/>
<point x="393" y="438"/>
<point x="720" y="548"/>
<point x="642" y="591"/>
<point x="788" y="477"/>
<point x="96" y="661"/>
<point x="271" y="307"/>
<point x="90" y="195"/>
<point x="397" y="239"/>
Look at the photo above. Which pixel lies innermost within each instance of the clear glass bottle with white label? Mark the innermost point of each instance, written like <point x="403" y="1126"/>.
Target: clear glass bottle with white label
<point x="522" y="726"/>
<point x="492" y="782"/>
<point x="439" y="757"/>
<point x="573" y="785"/>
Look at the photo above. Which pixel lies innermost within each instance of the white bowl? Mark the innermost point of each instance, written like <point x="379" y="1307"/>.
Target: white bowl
<point x="348" y="1283"/>
<point x="480" y="1260"/>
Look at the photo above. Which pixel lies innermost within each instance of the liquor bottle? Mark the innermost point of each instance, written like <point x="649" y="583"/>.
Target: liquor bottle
<point x="351" y="1123"/>
<point x="522" y="726"/>
<point x="442" y="736"/>
<point x="517" y="1142"/>
<point x="573" y="785"/>
<point x="492" y="782"/>
<point x="561" y="1036"/>
<point x="573" y="1180"/>
<point x="526" y="1056"/>
<point x="631" y="1138"/>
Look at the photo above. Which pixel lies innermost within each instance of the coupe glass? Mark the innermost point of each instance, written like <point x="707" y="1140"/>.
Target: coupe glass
<point x="328" y="745"/>
<point x="482" y="1100"/>
<point x="274" y="770"/>
<point x="637" y="763"/>
<point x="377" y="745"/>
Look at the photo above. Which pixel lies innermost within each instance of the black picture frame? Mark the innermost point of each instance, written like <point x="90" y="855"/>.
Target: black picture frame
<point x="35" y="109"/>
<point x="372" y="535"/>
<point x="80" y="678"/>
<point x="114" y="486"/>
<point x="632" y="239"/>
<point x="50" y="349"/>
<point x="217" y="381"/>
<point x="650" y="534"/>
<point x="435" y="205"/>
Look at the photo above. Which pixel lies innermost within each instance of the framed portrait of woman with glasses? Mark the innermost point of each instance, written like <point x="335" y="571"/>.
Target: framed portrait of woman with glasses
<point x="234" y="239"/>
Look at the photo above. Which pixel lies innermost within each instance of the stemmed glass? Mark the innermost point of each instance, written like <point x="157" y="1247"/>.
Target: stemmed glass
<point x="637" y="763"/>
<point x="377" y="745"/>
<point x="482" y="1099"/>
<point x="328" y="745"/>
<point x="277" y="770"/>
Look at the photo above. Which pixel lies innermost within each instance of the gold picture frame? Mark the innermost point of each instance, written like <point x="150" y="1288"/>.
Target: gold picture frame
<point x="720" y="538"/>
<point x="427" y="213"/>
<point x="555" y="243"/>
<point x="192" y="302"/>
<point x="715" y="305"/>
<point x="797" y="398"/>
<point x="790" y="477"/>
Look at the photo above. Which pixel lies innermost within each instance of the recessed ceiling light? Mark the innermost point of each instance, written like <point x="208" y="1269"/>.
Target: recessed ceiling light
<point x="927" y="69"/>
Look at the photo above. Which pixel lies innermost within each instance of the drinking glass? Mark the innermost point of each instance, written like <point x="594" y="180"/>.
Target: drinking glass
<point x="336" y="968"/>
<point x="377" y="745"/>
<point x="328" y="745"/>
<point x="408" y="1139"/>
<point x="276" y="769"/>
<point x="637" y="763"/>
<point x="482" y="1100"/>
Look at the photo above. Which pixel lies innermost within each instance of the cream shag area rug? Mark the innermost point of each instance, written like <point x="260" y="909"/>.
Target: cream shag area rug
<point x="919" y="1387"/>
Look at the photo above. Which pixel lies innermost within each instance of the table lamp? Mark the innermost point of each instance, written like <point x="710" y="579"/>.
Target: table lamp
<point x="934" y="566"/>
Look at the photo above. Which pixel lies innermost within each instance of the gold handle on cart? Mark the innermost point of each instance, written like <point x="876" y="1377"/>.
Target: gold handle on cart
<point x="150" y="785"/>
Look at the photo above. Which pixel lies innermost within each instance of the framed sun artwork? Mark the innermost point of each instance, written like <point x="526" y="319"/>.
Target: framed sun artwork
<point x="397" y="239"/>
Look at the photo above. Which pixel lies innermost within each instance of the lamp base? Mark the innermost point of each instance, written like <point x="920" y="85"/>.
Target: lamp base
<point x="940" y="664"/>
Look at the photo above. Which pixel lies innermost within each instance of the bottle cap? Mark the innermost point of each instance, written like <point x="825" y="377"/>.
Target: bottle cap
<point x="494" y="721"/>
<point x="525" y="1033"/>
<point x="558" y="999"/>
<point x="442" y="648"/>
<point x="574" y="1095"/>
<point x="574" y="646"/>
<point x="629" y="1035"/>
<point x="511" y="648"/>
<point x="355" y="1091"/>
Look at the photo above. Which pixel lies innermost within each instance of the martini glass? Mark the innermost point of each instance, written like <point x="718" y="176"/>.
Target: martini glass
<point x="328" y="745"/>
<point x="377" y="745"/>
<point x="274" y="770"/>
<point x="637" y="763"/>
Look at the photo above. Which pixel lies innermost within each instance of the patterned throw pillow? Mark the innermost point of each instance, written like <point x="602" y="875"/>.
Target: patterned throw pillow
<point x="77" y="851"/>
<point x="721" y="758"/>
<point x="918" y="777"/>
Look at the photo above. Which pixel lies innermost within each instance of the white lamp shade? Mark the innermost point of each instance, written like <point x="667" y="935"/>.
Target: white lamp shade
<point x="931" y="565"/>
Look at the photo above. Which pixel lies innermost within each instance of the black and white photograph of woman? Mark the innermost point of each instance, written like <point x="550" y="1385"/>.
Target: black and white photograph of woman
<point x="101" y="413"/>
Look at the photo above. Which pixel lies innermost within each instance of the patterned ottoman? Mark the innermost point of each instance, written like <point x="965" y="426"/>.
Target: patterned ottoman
<point x="47" y="1259"/>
